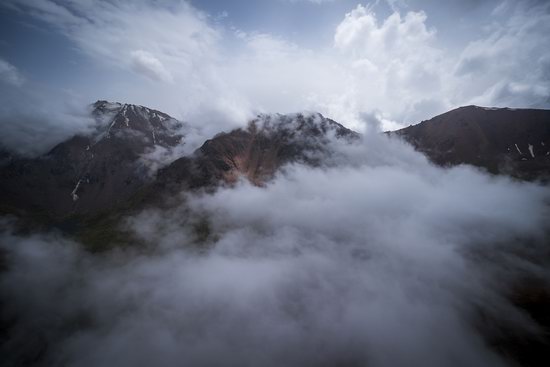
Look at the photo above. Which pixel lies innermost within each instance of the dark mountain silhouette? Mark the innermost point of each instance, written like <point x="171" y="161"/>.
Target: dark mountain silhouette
<point x="500" y="140"/>
<point x="88" y="174"/>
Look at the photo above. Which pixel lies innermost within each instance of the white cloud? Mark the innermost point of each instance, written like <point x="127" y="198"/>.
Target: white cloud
<point x="394" y="65"/>
<point x="391" y="67"/>
<point x="311" y="1"/>
<point x="510" y="66"/>
<point x="9" y="74"/>
<point x="163" y="38"/>
<point x="361" y="34"/>
<point x="382" y="260"/>
<point x="149" y="65"/>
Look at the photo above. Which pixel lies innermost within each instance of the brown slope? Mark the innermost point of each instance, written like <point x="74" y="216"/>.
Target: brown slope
<point x="256" y="152"/>
<point x="487" y="138"/>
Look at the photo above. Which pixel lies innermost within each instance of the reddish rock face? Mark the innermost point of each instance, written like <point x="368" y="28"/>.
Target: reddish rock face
<point x="272" y="141"/>
<point x="257" y="152"/>
<point x="500" y="140"/>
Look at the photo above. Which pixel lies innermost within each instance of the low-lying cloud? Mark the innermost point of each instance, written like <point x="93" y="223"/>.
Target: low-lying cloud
<point x="377" y="258"/>
<point x="32" y="124"/>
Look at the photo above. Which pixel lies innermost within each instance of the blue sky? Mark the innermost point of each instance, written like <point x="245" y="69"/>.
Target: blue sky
<point x="216" y="63"/>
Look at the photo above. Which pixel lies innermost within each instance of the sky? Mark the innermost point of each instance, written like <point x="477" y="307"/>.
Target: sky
<point x="217" y="63"/>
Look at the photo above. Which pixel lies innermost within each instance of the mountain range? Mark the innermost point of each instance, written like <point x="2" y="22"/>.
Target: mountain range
<point x="103" y="172"/>
<point x="85" y="186"/>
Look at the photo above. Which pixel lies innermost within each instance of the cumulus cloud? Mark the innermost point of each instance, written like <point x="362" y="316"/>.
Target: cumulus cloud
<point x="391" y="61"/>
<point x="376" y="258"/>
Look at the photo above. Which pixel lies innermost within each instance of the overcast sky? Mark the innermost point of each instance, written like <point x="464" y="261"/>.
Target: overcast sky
<point x="218" y="62"/>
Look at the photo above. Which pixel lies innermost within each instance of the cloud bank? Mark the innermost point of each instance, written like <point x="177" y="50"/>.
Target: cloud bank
<point x="377" y="258"/>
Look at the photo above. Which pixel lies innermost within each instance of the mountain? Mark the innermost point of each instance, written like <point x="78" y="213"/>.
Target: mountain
<point x="89" y="181"/>
<point x="500" y="140"/>
<point x="257" y="151"/>
<point x="89" y="173"/>
<point x="103" y="174"/>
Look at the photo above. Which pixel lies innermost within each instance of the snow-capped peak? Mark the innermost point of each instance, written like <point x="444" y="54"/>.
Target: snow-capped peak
<point x="122" y="119"/>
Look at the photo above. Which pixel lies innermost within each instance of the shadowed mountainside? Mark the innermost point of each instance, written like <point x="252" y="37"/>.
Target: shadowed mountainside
<point x="88" y="174"/>
<point x="501" y="140"/>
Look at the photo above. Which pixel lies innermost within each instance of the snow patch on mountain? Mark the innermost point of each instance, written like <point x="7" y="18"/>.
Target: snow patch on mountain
<point x="74" y="192"/>
<point x="531" y="150"/>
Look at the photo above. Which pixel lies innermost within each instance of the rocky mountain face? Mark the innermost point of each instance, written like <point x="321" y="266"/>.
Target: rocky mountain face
<point x="500" y="140"/>
<point x="256" y="152"/>
<point x="87" y="174"/>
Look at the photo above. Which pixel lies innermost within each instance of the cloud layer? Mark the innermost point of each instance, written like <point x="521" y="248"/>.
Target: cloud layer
<point x="377" y="258"/>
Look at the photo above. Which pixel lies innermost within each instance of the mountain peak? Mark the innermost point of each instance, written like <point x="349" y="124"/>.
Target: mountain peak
<point x="121" y="119"/>
<point x="501" y="140"/>
<point x="307" y="124"/>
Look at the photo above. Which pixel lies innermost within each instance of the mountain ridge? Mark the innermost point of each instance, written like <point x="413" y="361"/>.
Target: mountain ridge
<point x="87" y="175"/>
<point x="508" y="141"/>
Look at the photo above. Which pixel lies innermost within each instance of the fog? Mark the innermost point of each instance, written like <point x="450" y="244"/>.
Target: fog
<point x="32" y="124"/>
<point x="376" y="258"/>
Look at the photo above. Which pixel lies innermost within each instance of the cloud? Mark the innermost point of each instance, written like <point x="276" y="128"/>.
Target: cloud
<point x="9" y="74"/>
<point x="167" y="41"/>
<point x="511" y="65"/>
<point x="149" y="65"/>
<point x="360" y="33"/>
<point x="395" y="60"/>
<point x="311" y="1"/>
<point x="395" y="67"/>
<point x="377" y="258"/>
<point x="158" y="39"/>
<point x="36" y="118"/>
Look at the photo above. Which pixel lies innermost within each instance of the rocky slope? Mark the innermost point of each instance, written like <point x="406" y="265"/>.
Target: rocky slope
<point x="256" y="152"/>
<point x="86" y="179"/>
<point x="87" y="174"/>
<point x="500" y="140"/>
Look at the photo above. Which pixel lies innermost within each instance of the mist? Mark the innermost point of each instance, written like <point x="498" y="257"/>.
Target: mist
<point x="375" y="258"/>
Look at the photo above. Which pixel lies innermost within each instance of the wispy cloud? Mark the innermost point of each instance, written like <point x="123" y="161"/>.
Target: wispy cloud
<point x="9" y="74"/>
<point x="198" y="68"/>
